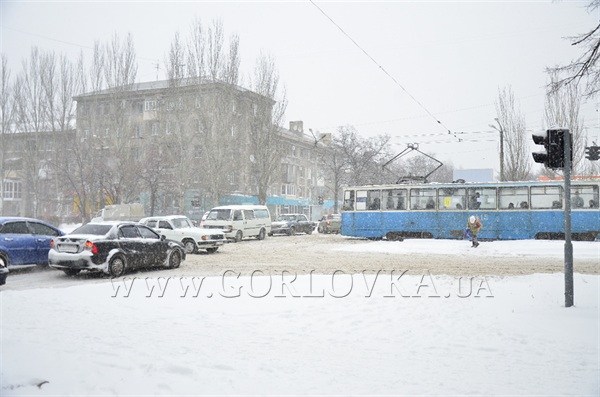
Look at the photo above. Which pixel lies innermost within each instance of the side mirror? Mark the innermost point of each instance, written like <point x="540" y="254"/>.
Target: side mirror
<point x="163" y="237"/>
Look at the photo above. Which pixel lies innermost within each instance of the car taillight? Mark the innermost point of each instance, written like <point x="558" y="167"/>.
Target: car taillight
<point x="89" y="246"/>
<point x="204" y="237"/>
<point x="51" y="243"/>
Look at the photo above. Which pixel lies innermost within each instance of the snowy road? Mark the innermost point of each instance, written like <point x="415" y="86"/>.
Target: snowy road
<point x="461" y="321"/>
<point x="324" y="254"/>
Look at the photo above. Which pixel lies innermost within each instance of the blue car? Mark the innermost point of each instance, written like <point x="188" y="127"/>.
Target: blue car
<point x="24" y="241"/>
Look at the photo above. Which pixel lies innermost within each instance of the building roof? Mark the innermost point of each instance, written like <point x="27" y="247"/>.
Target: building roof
<point x="164" y="84"/>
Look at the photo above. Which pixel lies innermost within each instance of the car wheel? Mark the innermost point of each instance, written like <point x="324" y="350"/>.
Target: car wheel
<point x="238" y="236"/>
<point x="212" y="250"/>
<point x="3" y="262"/>
<point x="71" y="272"/>
<point x="174" y="259"/>
<point x="292" y="231"/>
<point x="261" y="234"/>
<point x="116" y="266"/>
<point x="190" y="246"/>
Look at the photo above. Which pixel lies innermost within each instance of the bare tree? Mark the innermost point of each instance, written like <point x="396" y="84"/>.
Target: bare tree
<point x="585" y="67"/>
<point x="562" y="109"/>
<point x="266" y="144"/>
<point x="196" y="52"/>
<point x="353" y="160"/>
<point x="6" y="115"/>
<point x="119" y="179"/>
<point x="175" y="61"/>
<point x="214" y="51"/>
<point x="31" y="122"/>
<point x="516" y="154"/>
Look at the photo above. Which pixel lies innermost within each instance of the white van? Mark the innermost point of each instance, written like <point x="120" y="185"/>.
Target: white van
<point x="239" y="221"/>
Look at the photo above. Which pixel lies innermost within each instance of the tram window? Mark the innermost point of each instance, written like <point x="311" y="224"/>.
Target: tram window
<point x="394" y="199"/>
<point x="584" y="196"/>
<point x="361" y="200"/>
<point x="512" y="195"/>
<point x="482" y="198"/>
<point x="348" y="200"/>
<point x="452" y="198"/>
<point x="421" y="199"/>
<point x="373" y="200"/>
<point x="546" y="197"/>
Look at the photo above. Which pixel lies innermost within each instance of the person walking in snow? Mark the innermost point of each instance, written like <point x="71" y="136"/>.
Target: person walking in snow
<point x="474" y="225"/>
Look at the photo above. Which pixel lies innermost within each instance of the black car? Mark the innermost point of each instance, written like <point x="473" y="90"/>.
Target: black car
<point x="113" y="248"/>
<point x="3" y="272"/>
<point x="291" y="224"/>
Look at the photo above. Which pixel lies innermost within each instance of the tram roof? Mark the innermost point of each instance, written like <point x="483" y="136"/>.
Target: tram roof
<point x="475" y="184"/>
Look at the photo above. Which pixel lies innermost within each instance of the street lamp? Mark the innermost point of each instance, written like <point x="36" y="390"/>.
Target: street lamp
<point x="501" y="131"/>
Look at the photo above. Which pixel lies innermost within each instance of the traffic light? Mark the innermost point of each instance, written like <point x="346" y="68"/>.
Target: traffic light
<point x="541" y="157"/>
<point x="592" y="153"/>
<point x="554" y="143"/>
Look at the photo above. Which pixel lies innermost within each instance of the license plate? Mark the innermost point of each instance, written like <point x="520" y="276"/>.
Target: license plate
<point x="69" y="248"/>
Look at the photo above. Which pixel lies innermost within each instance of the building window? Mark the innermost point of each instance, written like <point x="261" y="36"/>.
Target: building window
<point x="137" y="131"/>
<point x="288" y="189"/>
<point x="12" y="190"/>
<point x="149" y="105"/>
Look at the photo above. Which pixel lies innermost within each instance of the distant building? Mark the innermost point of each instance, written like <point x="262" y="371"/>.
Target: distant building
<point x="210" y="126"/>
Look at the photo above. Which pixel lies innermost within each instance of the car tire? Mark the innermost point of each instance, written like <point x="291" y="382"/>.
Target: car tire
<point x="116" y="266"/>
<point x="174" y="259"/>
<point x="292" y="231"/>
<point x="239" y="236"/>
<point x="71" y="272"/>
<point x="212" y="250"/>
<point x="190" y="246"/>
<point x="261" y="234"/>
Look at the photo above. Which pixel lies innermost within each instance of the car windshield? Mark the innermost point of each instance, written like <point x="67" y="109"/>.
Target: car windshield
<point x="91" y="228"/>
<point x="286" y="218"/>
<point x="218" y="215"/>
<point x="180" y="223"/>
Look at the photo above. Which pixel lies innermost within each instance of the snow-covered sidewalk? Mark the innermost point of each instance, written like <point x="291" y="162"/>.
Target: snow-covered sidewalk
<point x="509" y="335"/>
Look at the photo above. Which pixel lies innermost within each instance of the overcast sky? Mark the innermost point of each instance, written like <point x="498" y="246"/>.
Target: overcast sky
<point x="450" y="56"/>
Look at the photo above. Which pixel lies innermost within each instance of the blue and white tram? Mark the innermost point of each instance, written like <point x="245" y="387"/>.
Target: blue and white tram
<point x="508" y="210"/>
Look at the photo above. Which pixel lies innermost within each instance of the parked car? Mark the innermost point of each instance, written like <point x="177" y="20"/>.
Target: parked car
<point x="291" y="224"/>
<point x="25" y="241"/>
<point x="3" y="272"/>
<point x="330" y="224"/>
<point x="113" y="248"/>
<point x="239" y="221"/>
<point x="180" y="228"/>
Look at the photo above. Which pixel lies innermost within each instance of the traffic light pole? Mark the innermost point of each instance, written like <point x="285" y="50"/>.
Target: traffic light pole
<point x="568" y="244"/>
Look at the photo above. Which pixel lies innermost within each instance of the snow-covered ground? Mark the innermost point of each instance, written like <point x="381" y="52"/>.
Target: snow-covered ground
<point x="280" y="334"/>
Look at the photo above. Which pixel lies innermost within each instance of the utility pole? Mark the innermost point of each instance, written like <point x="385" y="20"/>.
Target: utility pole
<point x="568" y="244"/>
<point x="501" y="131"/>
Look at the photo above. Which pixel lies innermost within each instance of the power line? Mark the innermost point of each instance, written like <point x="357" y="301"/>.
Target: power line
<point x="62" y="41"/>
<point x="385" y="71"/>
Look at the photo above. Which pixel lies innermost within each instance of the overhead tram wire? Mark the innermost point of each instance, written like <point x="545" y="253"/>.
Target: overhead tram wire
<point x="386" y="72"/>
